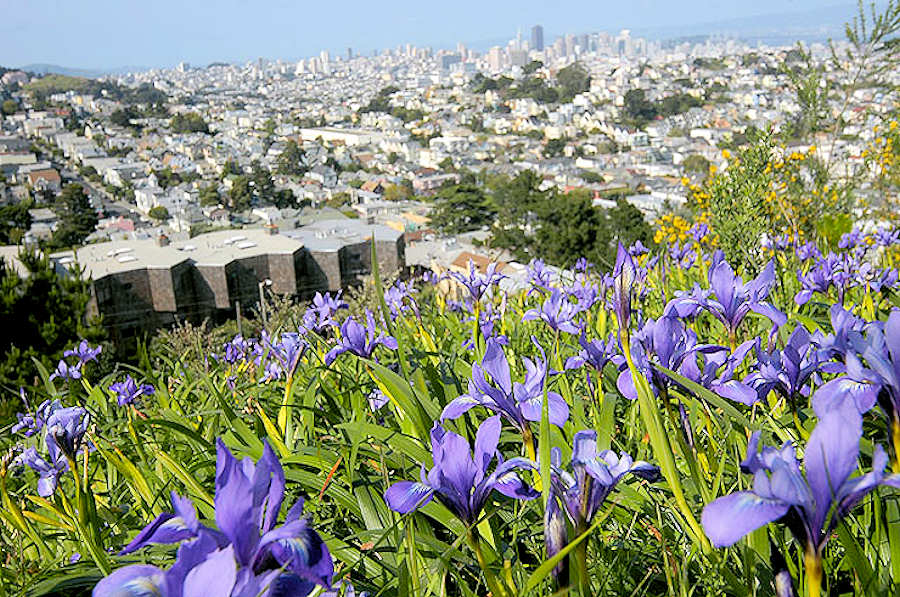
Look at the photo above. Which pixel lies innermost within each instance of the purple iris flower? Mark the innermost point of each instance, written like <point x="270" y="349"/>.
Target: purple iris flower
<point x="399" y="299"/>
<point x="201" y="568"/>
<point x="66" y="372"/>
<point x="665" y="341"/>
<point x="478" y="284"/>
<point x="715" y="372"/>
<point x="847" y="334"/>
<point x="856" y="384"/>
<point x="595" y="353"/>
<point x="831" y="270"/>
<point x="327" y="306"/>
<point x="284" y="355"/>
<point x="539" y="277"/>
<point x="377" y="399"/>
<point x="734" y="298"/>
<point x="699" y="232"/>
<point x="488" y="318"/>
<point x="881" y="352"/>
<point x="240" y="350"/>
<point x="684" y="256"/>
<point x="638" y="249"/>
<point x="557" y="312"/>
<point x="128" y="391"/>
<point x="360" y="339"/>
<point x="319" y="316"/>
<point x="32" y="422"/>
<point x="810" y="504"/>
<point x="84" y="352"/>
<point x="779" y="243"/>
<point x="818" y="279"/>
<point x="48" y="470"/>
<point x="459" y="481"/>
<point x="787" y="371"/>
<point x="808" y="251"/>
<point x="586" y="293"/>
<point x="248" y="546"/>
<point x="169" y="528"/>
<point x="582" y="492"/>
<point x="875" y="278"/>
<point x="430" y="277"/>
<point x="625" y="279"/>
<point x="492" y="388"/>
<point x="236" y="350"/>
<point x="885" y="237"/>
<point x="851" y="239"/>
<point x="66" y="428"/>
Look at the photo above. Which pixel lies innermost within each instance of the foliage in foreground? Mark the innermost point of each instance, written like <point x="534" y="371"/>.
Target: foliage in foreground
<point x="589" y="434"/>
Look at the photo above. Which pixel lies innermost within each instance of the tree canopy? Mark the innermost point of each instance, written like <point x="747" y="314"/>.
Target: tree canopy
<point x="292" y="160"/>
<point x="14" y="222"/>
<point x="77" y="218"/>
<point x="189" y="122"/>
<point x="461" y="208"/>
<point x="41" y="315"/>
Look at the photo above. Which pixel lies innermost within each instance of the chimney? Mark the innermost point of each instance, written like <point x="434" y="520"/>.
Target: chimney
<point x="162" y="240"/>
<point x="271" y="229"/>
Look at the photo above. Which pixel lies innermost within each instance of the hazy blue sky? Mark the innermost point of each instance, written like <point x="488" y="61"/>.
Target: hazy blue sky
<point x="109" y="33"/>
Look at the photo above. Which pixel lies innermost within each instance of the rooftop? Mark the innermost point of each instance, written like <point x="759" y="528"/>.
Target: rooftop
<point x="214" y="248"/>
<point x="10" y="255"/>
<point x="115" y="257"/>
<point x="224" y="246"/>
<point x="331" y="235"/>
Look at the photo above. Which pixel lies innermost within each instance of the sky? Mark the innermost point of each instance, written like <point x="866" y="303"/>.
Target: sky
<point x="113" y="33"/>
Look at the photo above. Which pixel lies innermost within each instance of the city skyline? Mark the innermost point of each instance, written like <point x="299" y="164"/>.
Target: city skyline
<point x="203" y="33"/>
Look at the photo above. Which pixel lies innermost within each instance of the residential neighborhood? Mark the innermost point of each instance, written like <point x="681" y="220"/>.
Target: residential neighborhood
<point x="329" y="152"/>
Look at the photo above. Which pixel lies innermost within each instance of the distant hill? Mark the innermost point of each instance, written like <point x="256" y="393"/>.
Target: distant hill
<point x="781" y="28"/>
<point x="45" y="69"/>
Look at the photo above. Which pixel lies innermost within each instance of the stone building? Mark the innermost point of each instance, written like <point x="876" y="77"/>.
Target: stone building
<point x="146" y="284"/>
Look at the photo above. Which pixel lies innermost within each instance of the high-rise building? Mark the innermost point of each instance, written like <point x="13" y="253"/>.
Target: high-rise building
<point x="495" y="58"/>
<point x="537" y="38"/>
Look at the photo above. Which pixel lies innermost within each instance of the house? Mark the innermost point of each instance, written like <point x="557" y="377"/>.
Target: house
<point x="481" y="263"/>
<point x="45" y="180"/>
<point x="425" y="185"/>
<point x="373" y="186"/>
<point x="324" y="175"/>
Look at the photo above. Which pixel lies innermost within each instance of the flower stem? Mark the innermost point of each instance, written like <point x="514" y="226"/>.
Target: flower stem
<point x="895" y="440"/>
<point x="813" y="565"/>
<point x="662" y="448"/>
<point x="494" y="586"/>
<point x="580" y="556"/>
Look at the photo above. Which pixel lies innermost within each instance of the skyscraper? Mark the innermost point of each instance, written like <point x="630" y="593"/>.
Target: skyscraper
<point x="537" y="38"/>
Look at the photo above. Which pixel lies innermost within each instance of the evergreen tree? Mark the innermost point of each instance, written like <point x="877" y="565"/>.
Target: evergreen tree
<point x="292" y="160"/>
<point x="628" y="225"/>
<point x="571" y="227"/>
<point x="461" y="208"/>
<point x="77" y="218"/>
<point x="41" y="315"/>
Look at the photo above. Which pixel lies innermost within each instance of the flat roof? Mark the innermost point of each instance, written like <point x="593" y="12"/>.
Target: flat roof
<point x="224" y="246"/>
<point x="332" y="235"/>
<point x="118" y="256"/>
